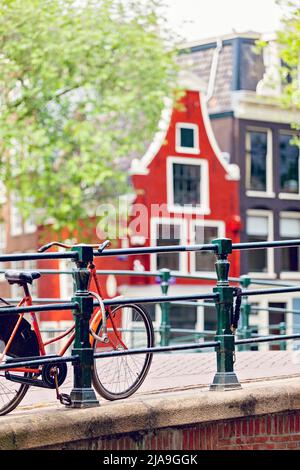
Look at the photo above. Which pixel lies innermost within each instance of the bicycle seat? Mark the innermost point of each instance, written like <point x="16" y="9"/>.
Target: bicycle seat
<point x="21" y="277"/>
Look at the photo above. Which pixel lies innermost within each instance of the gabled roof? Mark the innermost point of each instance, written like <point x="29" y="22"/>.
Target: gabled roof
<point x="191" y="82"/>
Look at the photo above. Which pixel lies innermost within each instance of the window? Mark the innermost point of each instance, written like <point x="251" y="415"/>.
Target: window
<point x="289" y="165"/>
<point x="168" y="235"/>
<point x="16" y="223"/>
<point x="210" y="318"/>
<point x="276" y="319"/>
<point x="202" y="233"/>
<point x="187" y="138"/>
<point x="168" y="232"/>
<point x="290" y="230"/>
<point x="260" y="229"/>
<point x="259" y="161"/>
<point x="296" y="322"/>
<point x="188" y="185"/>
<point x="29" y="224"/>
<point x="65" y="280"/>
<point x="182" y="317"/>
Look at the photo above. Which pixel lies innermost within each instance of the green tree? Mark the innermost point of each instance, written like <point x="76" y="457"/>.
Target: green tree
<point x="289" y="45"/>
<point x="82" y="86"/>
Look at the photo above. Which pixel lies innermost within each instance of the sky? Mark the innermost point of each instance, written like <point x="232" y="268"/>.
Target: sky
<point x="196" y="19"/>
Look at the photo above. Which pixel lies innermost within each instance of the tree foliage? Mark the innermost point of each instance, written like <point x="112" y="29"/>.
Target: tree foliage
<point x="289" y="46"/>
<point x="82" y="84"/>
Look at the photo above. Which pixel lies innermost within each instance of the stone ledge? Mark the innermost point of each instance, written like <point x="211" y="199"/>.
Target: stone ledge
<point x="47" y="427"/>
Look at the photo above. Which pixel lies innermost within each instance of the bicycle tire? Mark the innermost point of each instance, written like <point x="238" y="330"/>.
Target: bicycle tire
<point x="19" y="395"/>
<point x="25" y="344"/>
<point x="99" y="381"/>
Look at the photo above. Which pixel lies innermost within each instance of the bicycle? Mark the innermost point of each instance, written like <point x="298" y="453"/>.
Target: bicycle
<point x="111" y="329"/>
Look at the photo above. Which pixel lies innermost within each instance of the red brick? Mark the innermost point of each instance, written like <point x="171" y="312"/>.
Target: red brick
<point x="280" y="419"/>
<point x="257" y="426"/>
<point x="202" y="439"/>
<point x="238" y="428"/>
<point x="251" y="426"/>
<point x="292" y="445"/>
<point x="263" y="427"/>
<point x="291" y="423"/>
<point x="286" y="424"/>
<point x="208" y="438"/>
<point x="226" y="431"/>
<point x="160" y="441"/>
<point x="245" y="427"/>
<point x="165" y="439"/>
<point x="278" y="438"/>
<point x="197" y="438"/>
<point x="220" y="430"/>
<point x="153" y="442"/>
<point x="297" y="423"/>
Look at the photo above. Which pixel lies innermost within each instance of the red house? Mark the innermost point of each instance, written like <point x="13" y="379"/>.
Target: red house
<point x="186" y="193"/>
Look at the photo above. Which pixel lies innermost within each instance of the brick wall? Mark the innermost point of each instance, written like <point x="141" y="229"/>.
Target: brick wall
<point x="266" y="432"/>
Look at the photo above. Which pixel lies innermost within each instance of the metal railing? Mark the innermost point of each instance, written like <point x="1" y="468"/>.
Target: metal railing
<point x="82" y="306"/>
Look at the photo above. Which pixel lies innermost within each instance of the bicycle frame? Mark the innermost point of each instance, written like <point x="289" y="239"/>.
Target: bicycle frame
<point x="97" y="318"/>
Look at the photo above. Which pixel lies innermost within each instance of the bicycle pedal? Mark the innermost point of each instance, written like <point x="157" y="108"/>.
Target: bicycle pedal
<point x="65" y="399"/>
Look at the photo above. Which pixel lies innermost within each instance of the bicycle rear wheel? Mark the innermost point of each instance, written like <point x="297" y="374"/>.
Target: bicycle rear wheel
<point x="24" y="345"/>
<point x="115" y="378"/>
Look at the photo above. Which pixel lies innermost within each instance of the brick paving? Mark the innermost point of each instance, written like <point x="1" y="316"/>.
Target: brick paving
<point x="171" y="372"/>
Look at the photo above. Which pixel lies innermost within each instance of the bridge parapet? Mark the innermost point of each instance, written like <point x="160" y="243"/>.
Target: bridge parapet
<point x="262" y="415"/>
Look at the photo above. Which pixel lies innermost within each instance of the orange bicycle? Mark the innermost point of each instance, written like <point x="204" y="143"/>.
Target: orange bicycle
<point x="111" y="329"/>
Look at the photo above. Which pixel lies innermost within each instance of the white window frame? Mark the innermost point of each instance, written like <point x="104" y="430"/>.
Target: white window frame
<point x="270" y="274"/>
<point x="269" y="193"/>
<point x="203" y="223"/>
<point x="290" y="196"/>
<point x="65" y="280"/>
<point x="195" y="150"/>
<point x="16" y="220"/>
<point x="289" y="215"/>
<point x="203" y="208"/>
<point x="29" y="225"/>
<point x="2" y="236"/>
<point x="155" y="221"/>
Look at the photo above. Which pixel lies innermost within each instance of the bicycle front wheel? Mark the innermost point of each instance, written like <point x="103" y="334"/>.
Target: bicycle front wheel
<point x="128" y="327"/>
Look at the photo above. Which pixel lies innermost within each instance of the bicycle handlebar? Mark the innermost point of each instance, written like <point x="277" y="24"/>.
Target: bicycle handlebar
<point x="100" y="247"/>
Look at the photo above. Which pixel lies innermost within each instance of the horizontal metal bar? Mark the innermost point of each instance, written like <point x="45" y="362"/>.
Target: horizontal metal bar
<point x="267" y="339"/>
<point x="37" y="362"/>
<point x="262" y="245"/>
<point x="38" y="308"/>
<point x="192" y="332"/>
<point x="274" y="309"/>
<point x="156" y="249"/>
<point x="38" y="300"/>
<point x="106" y="272"/>
<point x="248" y="293"/>
<point x="33" y="256"/>
<point x="194" y="304"/>
<point x="154" y="300"/>
<point x="183" y="347"/>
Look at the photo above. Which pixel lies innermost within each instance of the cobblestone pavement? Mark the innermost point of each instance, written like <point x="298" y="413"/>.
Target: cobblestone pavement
<point x="170" y="372"/>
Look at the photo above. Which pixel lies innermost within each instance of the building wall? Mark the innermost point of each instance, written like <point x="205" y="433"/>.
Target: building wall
<point x="151" y="188"/>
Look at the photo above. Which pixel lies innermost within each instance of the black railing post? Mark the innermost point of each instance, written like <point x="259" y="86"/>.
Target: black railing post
<point x="245" y="331"/>
<point x="82" y="394"/>
<point x="225" y="378"/>
<point x="165" y="327"/>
